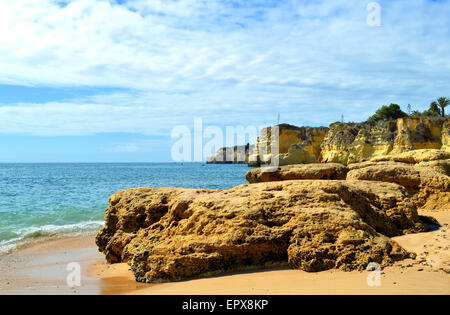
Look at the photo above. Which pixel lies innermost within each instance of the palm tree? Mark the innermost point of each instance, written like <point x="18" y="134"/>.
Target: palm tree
<point x="443" y="102"/>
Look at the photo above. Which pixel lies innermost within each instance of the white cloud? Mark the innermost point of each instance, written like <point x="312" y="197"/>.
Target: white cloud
<point x="141" y="145"/>
<point x="311" y="61"/>
<point x="126" y="148"/>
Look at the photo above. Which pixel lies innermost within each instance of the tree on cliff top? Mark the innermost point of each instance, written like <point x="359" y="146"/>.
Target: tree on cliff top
<point x="443" y="103"/>
<point x="433" y="110"/>
<point x="436" y="109"/>
<point x="391" y="112"/>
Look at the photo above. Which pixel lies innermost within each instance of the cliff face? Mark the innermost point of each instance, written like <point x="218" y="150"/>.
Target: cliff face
<point x="351" y="142"/>
<point x="296" y="145"/>
<point x="419" y="133"/>
<point x="446" y="136"/>
<point x="232" y="155"/>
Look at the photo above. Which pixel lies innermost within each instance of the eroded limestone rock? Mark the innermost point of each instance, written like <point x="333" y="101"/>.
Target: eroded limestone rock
<point x="428" y="187"/>
<point x="232" y="155"/>
<point x="297" y="171"/>
<point x="440" y="166"/>
<point x="417" y="133"/>
<point x="348" y="143"/>
<point x="174" y="233"/>
<point x="356" y="142"/>
<point x="359" y="165"/>
<point x="415" y="156"/>
<point x="288" y="145"/>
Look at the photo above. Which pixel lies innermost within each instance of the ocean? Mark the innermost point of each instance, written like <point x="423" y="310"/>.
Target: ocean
<point x="38" y="200"/>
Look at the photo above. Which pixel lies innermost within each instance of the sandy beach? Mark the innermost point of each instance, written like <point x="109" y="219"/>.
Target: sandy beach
<point x="40" y="268"/>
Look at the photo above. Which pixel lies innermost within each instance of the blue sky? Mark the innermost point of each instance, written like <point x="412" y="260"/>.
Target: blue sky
<point x="107" y="81"/>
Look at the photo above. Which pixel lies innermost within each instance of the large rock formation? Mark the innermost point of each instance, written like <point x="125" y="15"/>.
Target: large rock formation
<point x="427" y="185"/>
<point x="415" y="156"/>
<point x="348" y="143"/>
<point x="232" y="155"/>
<point x="440" y="166"/>
<point x="446" y="136"/>
<point x="174" y="233"/>
<point x="297" y="171"/>
<point x="352" y="143"/>
<point x="419" y="133"/>
<point x="288" y="144"/>
<point x="427" y="182"/>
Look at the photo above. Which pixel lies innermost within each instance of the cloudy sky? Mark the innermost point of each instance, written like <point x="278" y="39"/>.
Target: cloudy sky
<point x="108" y="80"/>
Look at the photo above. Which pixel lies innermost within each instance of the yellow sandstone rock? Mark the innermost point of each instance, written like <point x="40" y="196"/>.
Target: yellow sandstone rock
<point x="348" y="143"/>
<point x="297" y="171"/>
<point x="446" y="136"/>
<point x="294" y="145"/>
<point x="418" y="133"/>
<point x="168" y="234"/>
<point x="351" y="143"/>
<point x="427" y="185"/>
<point x="415" y="156"/>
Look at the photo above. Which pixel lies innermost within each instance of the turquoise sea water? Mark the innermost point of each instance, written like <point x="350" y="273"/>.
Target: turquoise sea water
<point x="51" y="199"/>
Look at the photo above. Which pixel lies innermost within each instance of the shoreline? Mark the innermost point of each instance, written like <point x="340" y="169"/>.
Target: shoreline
<point x="40" y="268"/>
<point x="29" y="242"/>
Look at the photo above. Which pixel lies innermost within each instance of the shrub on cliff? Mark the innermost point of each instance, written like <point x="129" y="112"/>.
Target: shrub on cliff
<point x="391" y="112"/>
<point x="416" y="113"/>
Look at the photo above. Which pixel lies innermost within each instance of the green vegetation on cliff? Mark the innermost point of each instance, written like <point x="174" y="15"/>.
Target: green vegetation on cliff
<point x="443" y="103"/>
<point x="436" y="109"/>
<point x="391" y="112"/>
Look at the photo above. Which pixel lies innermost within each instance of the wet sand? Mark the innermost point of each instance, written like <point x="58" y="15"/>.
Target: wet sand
<point x="40" y="268"/>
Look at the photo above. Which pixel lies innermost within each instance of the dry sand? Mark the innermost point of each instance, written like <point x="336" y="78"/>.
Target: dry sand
<point x="40" y="268"/>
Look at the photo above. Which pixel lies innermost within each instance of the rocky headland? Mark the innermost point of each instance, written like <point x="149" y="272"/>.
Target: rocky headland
<point x="348" y="143"/>
<point x="232" y="155"/>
